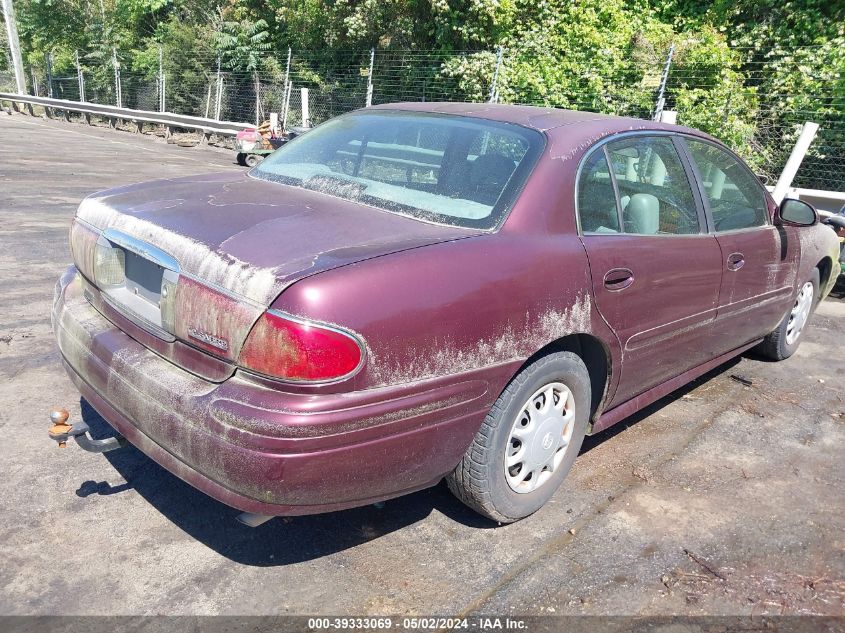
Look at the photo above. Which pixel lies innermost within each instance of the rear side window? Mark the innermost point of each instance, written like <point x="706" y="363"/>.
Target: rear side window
<point x="735" y="197"/>
<point x="654" y="192"/>
<point x="596" y="198"/>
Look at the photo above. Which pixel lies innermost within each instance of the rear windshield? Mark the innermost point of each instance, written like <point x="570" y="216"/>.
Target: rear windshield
<point x="452" y="170"/>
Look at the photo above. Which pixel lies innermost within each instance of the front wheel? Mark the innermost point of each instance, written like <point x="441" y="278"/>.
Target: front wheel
<point x="528" y="442"/>
<point x="785" y="339"/>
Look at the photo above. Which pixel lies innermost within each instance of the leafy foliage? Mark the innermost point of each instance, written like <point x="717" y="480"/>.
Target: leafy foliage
<point x="241" y="44"/>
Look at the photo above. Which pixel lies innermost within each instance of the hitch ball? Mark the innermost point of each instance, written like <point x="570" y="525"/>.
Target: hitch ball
<point x="61" y="431"/>
<point x="60" y="426"/>
<point x="59" y="416"/>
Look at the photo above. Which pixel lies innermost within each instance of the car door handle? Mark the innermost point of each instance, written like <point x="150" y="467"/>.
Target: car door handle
<point x="618" y="279"/>
<point x="736" y="261"/>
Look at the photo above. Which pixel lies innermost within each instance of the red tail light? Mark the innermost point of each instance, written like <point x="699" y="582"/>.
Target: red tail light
<point x="291" y="349"/>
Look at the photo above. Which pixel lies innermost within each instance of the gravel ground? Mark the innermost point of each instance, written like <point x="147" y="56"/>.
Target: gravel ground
<point x="720" y="499"/>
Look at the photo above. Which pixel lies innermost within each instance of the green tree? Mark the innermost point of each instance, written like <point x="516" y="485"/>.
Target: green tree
<point x="242" y="44"/>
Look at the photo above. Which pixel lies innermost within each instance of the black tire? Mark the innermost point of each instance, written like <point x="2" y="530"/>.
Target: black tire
<point x="479" y="479"/>
<point x="775" y="345"/>
<point x="241" y="159"/>
<point x="251" y="160"/>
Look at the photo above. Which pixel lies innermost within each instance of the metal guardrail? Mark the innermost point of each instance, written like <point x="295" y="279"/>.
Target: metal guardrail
<point x="169" y="119"/>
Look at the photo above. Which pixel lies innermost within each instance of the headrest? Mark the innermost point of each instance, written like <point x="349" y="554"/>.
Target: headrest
<point x="643" y="214"/>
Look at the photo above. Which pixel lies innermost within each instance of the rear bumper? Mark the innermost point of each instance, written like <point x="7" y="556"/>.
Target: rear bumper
<point x="260" y="449"/>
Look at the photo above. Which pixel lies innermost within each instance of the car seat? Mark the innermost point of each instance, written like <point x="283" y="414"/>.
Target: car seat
<point x="488" y="176"/>
<point x="642" y="214"/>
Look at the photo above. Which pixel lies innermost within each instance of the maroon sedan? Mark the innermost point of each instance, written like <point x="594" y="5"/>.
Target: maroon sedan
<point x="420" y="291"/>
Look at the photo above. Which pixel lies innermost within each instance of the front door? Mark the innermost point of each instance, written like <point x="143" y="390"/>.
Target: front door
<point x="758" y="258"/>
<point x="655" y="271"/>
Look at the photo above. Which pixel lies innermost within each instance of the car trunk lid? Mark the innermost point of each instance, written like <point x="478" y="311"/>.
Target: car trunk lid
<point x="199" y="259"/>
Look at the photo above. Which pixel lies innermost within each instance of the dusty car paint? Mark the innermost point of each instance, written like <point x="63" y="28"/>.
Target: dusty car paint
<point x="448" y="314"/>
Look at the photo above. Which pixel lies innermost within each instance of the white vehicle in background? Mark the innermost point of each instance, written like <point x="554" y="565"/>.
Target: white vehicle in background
<point x="836" y="221"/>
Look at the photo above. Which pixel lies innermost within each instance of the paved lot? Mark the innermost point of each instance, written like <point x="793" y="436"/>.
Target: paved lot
<point x="721" y="499"/>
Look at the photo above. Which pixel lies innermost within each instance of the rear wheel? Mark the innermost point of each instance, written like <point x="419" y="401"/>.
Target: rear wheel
<point x="784" y="341"/>
<point x="528" y="441"/>
<point x="241" y="159"/>
<point x="252" y="160"/>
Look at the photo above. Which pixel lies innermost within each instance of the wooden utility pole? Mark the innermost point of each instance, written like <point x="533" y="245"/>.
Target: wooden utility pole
<point x="14" y="45"/>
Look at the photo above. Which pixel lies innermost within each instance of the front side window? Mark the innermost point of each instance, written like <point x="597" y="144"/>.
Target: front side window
<point x="735" y="197"/>
<point x="654" y="192"/>
<point x="453" y="170"/>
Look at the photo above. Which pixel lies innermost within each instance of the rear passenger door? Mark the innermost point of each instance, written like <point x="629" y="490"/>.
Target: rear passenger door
<point x="655" y="270"/>
<point x="758" y="259"/>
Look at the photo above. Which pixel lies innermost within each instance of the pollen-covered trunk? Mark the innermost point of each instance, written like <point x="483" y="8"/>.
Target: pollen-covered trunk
<point x="198" y="260"/>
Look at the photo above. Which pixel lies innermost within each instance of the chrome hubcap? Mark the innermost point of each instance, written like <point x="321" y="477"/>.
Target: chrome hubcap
<point x="800" y="313"/>
<point x="539" y="437"/>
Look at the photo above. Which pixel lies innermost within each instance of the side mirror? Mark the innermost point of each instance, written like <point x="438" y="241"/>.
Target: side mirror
<point x="794" y="212"/>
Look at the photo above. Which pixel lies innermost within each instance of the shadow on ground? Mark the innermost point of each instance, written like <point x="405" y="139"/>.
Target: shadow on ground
<point x="591" y="441"/>
<point x="281" y="541"/>
<point x="288" y="540"/>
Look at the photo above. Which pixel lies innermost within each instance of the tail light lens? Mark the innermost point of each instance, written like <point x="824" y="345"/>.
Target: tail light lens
<point x="83" y="242"/>
<point x="109" y="264"/>
<point x="283" y="347"/>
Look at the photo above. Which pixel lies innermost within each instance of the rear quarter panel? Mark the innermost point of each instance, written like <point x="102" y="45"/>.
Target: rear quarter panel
<point x="468" y="305"/>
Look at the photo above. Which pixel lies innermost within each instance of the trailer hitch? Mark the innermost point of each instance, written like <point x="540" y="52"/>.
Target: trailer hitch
<point x="61" y="432"/>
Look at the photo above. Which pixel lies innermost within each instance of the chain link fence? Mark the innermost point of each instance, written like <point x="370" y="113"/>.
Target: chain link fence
<point x="731" y="98"/>
<point x="7" y="81"/>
